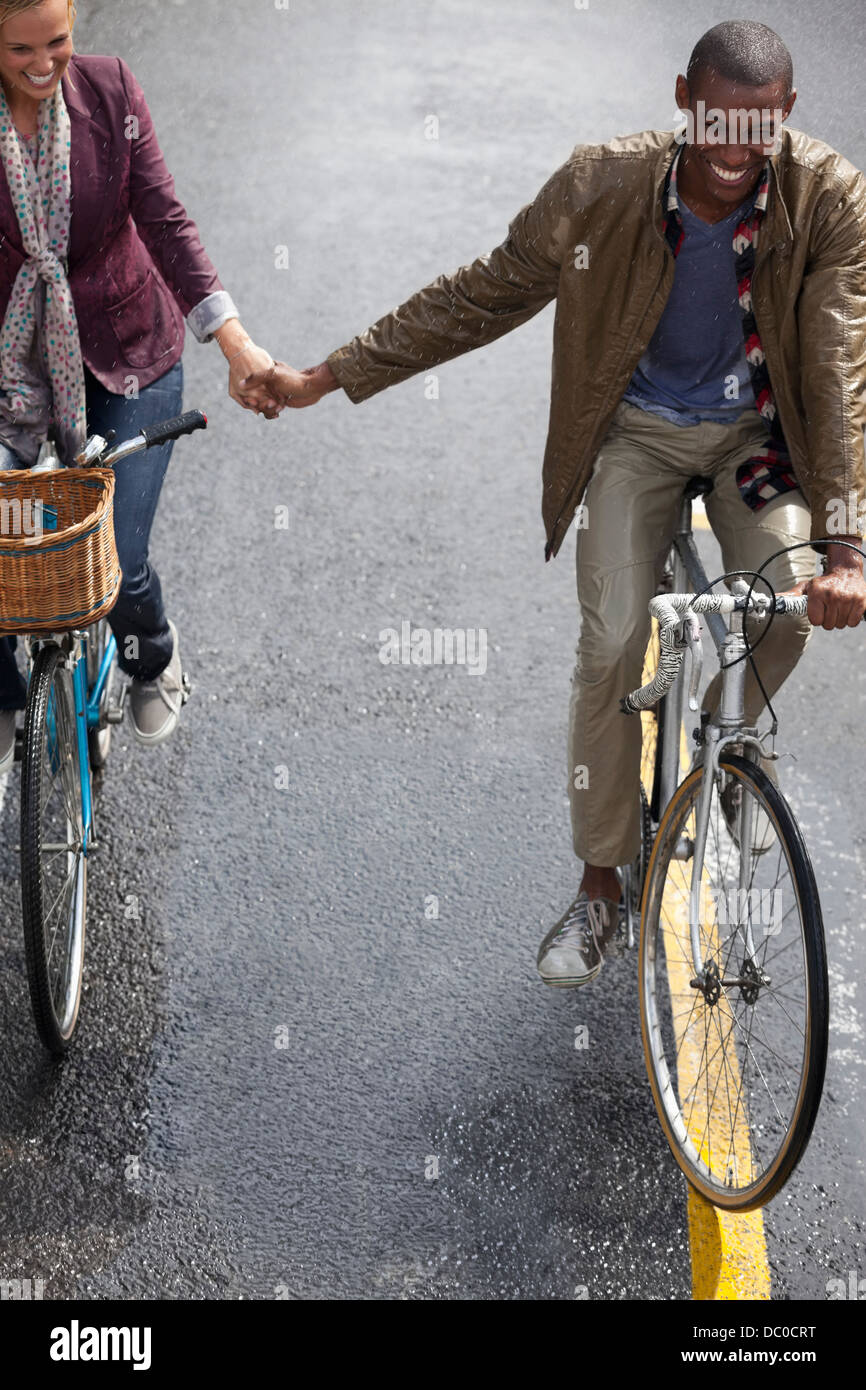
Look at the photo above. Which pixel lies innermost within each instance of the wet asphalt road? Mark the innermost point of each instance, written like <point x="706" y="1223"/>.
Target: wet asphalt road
<point x="291" y="1078"/>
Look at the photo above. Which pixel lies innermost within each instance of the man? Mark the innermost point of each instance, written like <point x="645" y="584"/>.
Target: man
<point x="711" y="318"/>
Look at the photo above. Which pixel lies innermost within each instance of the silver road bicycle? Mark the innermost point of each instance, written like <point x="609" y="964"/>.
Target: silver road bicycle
<point x="732" y="962"/>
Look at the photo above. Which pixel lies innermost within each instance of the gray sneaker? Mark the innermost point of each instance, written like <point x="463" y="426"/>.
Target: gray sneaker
<point x="8" y="720"/>
<point x="154" y="706"/>
<point x="573" y="951"/>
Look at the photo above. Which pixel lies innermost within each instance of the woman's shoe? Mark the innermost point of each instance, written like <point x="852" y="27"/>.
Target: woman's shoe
<point x="154" y="706"/>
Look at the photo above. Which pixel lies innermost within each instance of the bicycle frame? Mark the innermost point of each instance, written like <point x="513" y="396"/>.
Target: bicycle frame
<point x="730" y="728"/>
<point x="94" y="694"/>
<point x="693" y="579"/>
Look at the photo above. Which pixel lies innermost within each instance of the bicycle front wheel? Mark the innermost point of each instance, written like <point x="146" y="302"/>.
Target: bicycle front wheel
<point x="735" y="1056"/>
<point x="53" y="859"/>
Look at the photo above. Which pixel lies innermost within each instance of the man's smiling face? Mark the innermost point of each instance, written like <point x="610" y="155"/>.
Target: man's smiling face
<point x="732" y="130"/>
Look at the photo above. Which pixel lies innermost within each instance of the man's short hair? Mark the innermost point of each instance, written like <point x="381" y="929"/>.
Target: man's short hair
<point x="744" y="52"/>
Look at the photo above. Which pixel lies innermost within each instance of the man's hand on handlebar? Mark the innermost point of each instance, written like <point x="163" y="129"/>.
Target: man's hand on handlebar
<point x="838" y="597"/>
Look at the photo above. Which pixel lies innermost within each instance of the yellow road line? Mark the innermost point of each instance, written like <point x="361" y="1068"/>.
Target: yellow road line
<point x="729" y="1253"/>
<point x="700" y="521"/>
<point x="728" y="1250"/>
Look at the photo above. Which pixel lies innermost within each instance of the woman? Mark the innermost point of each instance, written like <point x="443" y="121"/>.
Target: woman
<point x="99" y="266"/>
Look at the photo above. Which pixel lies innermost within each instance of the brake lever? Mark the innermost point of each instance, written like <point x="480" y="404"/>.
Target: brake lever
<point x="692" y="639"/>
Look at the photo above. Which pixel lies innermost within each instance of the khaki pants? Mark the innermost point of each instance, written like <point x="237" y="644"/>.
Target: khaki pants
<point x="632" y="508"/>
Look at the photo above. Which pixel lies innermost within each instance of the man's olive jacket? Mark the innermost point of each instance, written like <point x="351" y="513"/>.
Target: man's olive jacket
<point x="593" y="239"/>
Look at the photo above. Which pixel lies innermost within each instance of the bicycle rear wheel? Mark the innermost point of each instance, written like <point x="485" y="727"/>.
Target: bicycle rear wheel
<point x="736" y="1061"/>
<point x="634" y="874"/>
<point x="53" y="859"/>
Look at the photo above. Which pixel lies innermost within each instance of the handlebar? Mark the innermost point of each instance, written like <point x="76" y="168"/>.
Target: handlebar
<point x="676" y="611"/>
<point x="96" y="452"/>
<point x="173" y="429"/>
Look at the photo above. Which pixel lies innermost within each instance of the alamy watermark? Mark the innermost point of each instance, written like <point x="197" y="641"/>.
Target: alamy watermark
<point x="22" y="1290"/>
<point x="421" y="646"/>
<point x="846" y="516"/>
<point x="24" y="518"/>
<point x="740" y="125"/>
<point x="732" y="907"/>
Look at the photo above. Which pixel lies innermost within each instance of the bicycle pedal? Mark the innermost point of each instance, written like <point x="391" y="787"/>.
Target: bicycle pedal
<point x="618" y="945"/>
<point x="114" y="711"/>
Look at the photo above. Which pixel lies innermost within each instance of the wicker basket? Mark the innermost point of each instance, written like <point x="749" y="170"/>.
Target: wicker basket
<point x="64" y="573"/>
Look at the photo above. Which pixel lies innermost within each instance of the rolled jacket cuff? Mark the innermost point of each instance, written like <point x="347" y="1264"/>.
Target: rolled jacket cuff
<point x="210" y="314"/>
<point x="841" y="515"/>
<point x="350" y="374"/>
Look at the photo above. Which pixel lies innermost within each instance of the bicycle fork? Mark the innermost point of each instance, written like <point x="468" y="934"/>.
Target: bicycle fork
<point x="730" y="729"/>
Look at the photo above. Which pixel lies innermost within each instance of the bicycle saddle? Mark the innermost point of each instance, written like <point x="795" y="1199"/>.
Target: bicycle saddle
<point x="698" y="486"/>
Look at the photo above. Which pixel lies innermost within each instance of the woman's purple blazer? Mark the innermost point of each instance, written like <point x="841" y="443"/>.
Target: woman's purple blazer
<point x="136" y="264"/>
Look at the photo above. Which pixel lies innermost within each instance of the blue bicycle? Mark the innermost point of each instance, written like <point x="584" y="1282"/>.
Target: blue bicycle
<point x="74" y="698"/>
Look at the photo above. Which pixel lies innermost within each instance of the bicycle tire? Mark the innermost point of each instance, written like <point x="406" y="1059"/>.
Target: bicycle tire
<point x="50" y="759"/>
<point x="815" y="1033"/>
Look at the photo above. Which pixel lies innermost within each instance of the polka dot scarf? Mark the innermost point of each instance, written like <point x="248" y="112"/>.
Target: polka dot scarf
<point x="42" y="384"/>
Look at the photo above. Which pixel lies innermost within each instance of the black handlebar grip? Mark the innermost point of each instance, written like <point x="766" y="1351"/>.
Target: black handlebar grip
<point x="172" y="429"/>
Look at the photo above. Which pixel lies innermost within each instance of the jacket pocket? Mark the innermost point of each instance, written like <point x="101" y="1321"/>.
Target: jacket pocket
<point x="142" y="325"/>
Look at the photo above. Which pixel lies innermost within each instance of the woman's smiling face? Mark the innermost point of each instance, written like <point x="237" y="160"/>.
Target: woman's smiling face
<point x="35" y="48"/>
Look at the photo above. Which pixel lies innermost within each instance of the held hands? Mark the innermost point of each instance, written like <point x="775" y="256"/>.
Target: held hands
<point x="244" y="357"/>
<point x="252" y="359"/>
<point x="260" y="384"/>
<point x="289" y="387"/>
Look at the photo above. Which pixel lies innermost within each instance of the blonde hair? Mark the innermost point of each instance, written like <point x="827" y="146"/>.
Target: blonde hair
<point x="10" y="8"/>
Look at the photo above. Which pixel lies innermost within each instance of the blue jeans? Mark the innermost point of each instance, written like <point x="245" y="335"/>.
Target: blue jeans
<point x="138" y="618"/>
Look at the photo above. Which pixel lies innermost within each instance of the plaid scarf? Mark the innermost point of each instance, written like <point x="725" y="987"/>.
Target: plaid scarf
<point x="768" y="472"/>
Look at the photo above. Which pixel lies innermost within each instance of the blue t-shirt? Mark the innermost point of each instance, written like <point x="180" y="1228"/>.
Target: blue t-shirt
<point x="698" y="345"/>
